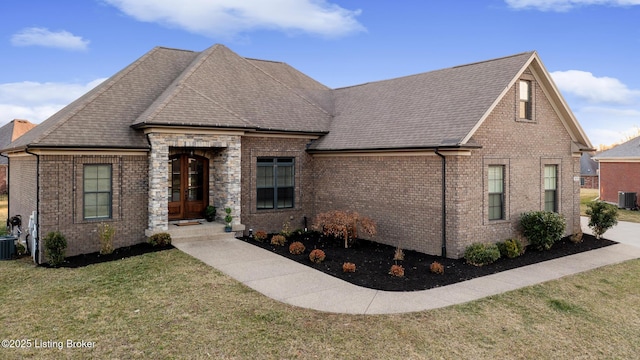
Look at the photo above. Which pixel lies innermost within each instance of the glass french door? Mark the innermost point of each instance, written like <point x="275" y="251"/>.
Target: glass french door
<point x="188" y="186"/>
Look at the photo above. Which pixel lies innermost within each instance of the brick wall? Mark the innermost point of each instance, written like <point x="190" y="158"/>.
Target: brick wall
<point x="3" y="178"/>
<point x="61" y="200"/>
<point x="590" y="182"/>
<point x="272" y="220"/>
<point x="618" y="176"/>
<point x="524" y="148"/>
<point x="401" y="194"/>
<point x="22" y="180"/>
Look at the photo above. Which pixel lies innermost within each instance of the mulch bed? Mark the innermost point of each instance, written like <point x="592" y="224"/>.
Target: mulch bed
<point x="373" y="261"/>
<point x="121" y="253"/>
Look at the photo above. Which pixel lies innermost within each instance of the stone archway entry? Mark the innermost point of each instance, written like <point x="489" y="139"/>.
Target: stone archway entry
<point x="188" y="186"/>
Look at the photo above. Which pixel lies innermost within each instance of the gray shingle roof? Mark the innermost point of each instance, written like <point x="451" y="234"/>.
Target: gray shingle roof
<point x="216" y="88"/>
<point x="223" y="89"/>
<point x="11" y="131"/>
<point x="102" y="117"/>
<point x="430" y="109"/>
<point x="629" y="149"/>
<point x="588" y="166"/>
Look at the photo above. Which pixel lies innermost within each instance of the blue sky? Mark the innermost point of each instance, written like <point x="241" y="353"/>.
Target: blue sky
<point x="51" y="52"/>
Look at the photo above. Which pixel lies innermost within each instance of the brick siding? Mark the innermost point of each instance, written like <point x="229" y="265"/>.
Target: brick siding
<point x="618" y="176"/>
<point x="273" y="220"/>
<point x="22" y="180"/>
<point x="61" y="201"/>
<point x="3" y="179"/>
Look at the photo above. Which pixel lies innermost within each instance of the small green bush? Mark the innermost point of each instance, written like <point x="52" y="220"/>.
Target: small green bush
<point x="160" y="239"/>
<point x="602" y="217"/>
<point x="542" y="228"/>
<point x="20" y="250"/>
<point x="479" y="254"/>
<point x="510" y="248"/>
<point x="55" y="245"/>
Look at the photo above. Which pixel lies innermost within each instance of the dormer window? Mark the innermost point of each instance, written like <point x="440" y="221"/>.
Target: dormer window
<point x="525" y="100"/>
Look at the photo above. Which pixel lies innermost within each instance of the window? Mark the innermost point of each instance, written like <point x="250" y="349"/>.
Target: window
<point x="550" y="188"/>
<point x="525" y="100"/>
<point x="496" y="192"/>
<point x="275" y="183"/>
<point x="97" y="191"/>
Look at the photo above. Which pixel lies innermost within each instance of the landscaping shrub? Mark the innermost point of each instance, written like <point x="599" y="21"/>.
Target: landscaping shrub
<point x="602" y="217"/>
<point x="398" y="255"/>
<point x="261" y="235"/>
<point x="479" y="254"/>
<point x="105" y="236"/>
<point x="348" y="267"/>
<point x="344" y="225"/>
<point x="55" y="245"/>
<point x="160" y="239"/>
<point x="542" y="228"/>
<point x="436" y="268"/>
<point x="286" y="229"/>
<point x="278" y="240"/>
<point x="20" y="250"/>
<point x="296" y="248"/>
<point x="317" y="256"/>
<point x="510" y="248"/>
<point x="397" y="270"/>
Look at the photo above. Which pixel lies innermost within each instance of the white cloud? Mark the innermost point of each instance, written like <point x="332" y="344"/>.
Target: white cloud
<point x="43" y="37"/>
<point x="565" y="5"/>
<point x="228" y="18"/>
<point x="594" y="89"/>
<point x="35" y="101"/>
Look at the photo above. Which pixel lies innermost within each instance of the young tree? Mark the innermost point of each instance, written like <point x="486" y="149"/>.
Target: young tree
<point x="343" y="224"/>
<point x="602" y="217"/>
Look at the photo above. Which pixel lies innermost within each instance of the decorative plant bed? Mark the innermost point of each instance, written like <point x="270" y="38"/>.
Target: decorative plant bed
<point x="373" y="261"/>
<point x="117" y="254"/>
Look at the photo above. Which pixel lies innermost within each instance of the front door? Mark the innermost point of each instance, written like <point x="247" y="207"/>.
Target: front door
<point x="188" y="186"/>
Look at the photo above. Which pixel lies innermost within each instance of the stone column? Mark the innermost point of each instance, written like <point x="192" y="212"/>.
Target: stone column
<point x="158" y="184"/>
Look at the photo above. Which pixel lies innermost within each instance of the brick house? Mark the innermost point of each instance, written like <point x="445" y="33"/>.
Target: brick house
<point x="619" y="170"/>
<point x="439" y="160"/>
<point x="589" y="170"/>
<point x="8" y="133"/>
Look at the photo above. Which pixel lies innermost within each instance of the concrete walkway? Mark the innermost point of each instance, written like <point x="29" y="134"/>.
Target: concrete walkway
<point x="290" y="282"/>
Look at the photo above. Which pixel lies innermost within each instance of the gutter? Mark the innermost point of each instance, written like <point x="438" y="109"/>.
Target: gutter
<point x="8" y="197"/>
<point x="36" y="240"/>
<point x="444" y="202"/>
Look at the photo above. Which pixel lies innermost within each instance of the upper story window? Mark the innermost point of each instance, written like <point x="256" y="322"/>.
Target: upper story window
<point x="275" y="183"/>
<point x="97" y="191"/>
<point x="525" y="106"/>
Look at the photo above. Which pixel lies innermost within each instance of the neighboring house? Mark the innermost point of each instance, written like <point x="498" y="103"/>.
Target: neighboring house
<point x="589" y="178"/>
<point x="439" y="160"/>
<point x="619" y="170"/>
<point x="8" y="133"/>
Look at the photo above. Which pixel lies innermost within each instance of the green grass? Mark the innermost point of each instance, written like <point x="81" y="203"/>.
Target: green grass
<point x="169" y="305"/>
<point x="587" y="195"/>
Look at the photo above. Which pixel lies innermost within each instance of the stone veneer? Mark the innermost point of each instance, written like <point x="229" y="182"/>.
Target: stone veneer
<point x="225" y="157"/>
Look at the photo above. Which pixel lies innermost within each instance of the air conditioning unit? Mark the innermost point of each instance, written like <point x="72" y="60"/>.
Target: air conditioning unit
<point x="627" y="200"/>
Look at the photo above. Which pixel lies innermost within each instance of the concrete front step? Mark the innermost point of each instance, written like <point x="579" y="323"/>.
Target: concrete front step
<point x="198" y="232"/>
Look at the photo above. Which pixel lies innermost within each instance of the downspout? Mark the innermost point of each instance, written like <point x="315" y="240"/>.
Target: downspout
<point x="444" y="203"/>
<point x="8" y="197"/>
<point x="36" y="240"/>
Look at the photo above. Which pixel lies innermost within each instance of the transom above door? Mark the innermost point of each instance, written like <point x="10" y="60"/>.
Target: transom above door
<point x="188" y="186"/>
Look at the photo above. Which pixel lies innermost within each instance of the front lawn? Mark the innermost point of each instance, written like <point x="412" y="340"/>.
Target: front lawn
<point x="169" y="305"/>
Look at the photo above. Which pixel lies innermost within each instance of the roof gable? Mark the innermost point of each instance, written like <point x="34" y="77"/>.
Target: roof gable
<point x="102" y="117"/>
<point x="222" y="89"/>
<point x="12" y="131"/>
